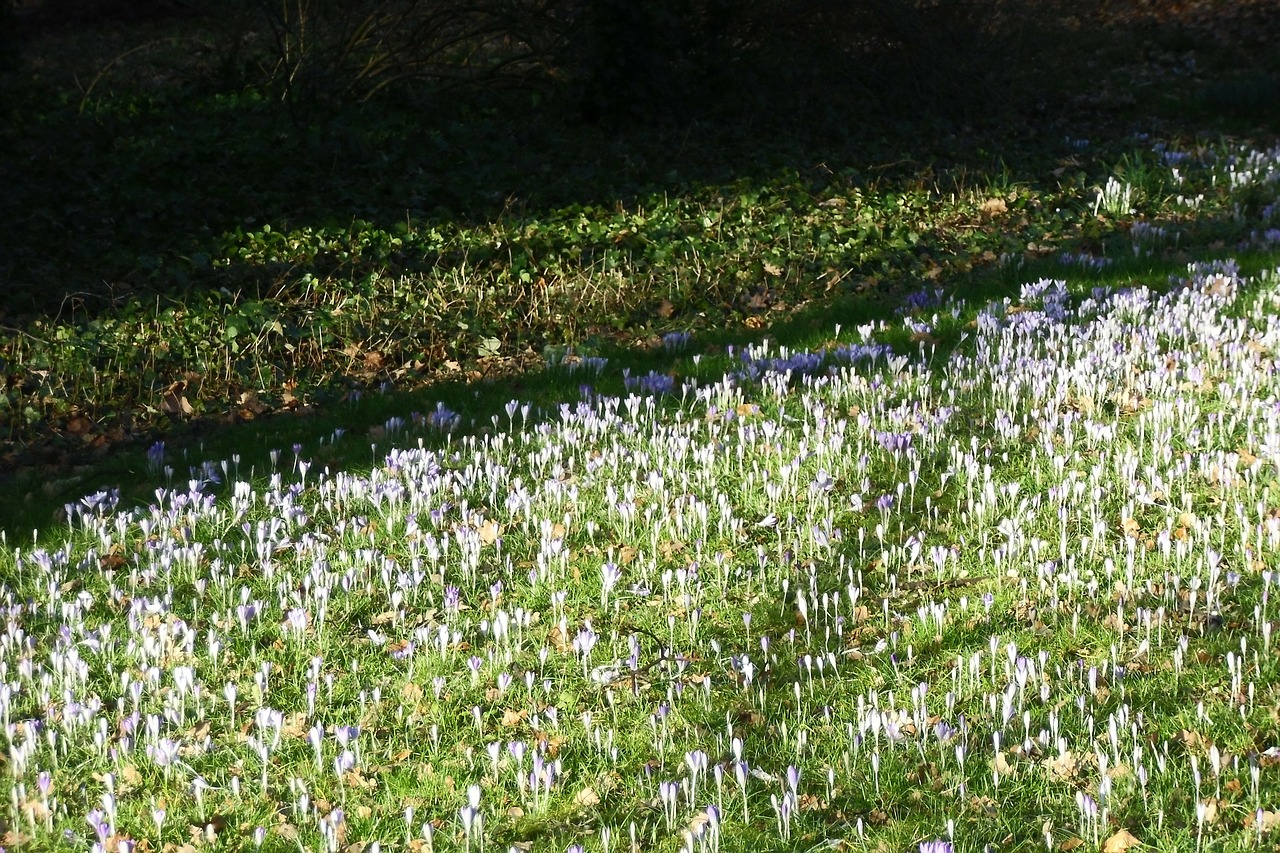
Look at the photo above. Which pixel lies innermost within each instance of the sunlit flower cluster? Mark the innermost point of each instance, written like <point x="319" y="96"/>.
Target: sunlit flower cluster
<point x="1021" y="592"/>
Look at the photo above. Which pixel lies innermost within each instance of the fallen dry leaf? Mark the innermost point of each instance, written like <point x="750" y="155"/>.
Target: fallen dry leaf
<point x="295" y="725"/>
<point x="1193" y="740"/>
<point x="1061" y="767"/>
<point x="128" y="778"/>
<point x="1120" y="842"/>
<point x="174" y="404"/>
<point x="248" y="400"/>
<point x="1268" y="820"/>
<point x="79" y="425"/>
<point x="924" y="338"/>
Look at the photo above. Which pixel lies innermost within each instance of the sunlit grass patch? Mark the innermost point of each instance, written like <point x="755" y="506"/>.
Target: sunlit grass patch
<point x="968" y="575"/>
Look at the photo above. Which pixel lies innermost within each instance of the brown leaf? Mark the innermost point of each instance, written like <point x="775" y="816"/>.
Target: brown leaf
<point x="1069" y="844"/>
<point x="79" y="425"/>
<point x="994" y="206"/>
<point x="209" y="831"/>
<point x="1120" y="842"/>
<point x="174" y="401"/>
<point x="550" y="743"/>
<point x="489" y="532"/>
<point x="514" y="718"/>
<point x="1194" y="741"/>
<point x="295" y="725"/>
<point x="355" y="778"/>
<point x="924" y="338"/>
<point x="586" y="798"/>
<point x="1061" y="767"/>
<point x="669" y="548"/>
<point x="559" y="641"/>
<point x="811" y="803"/>
<point x="249" y="400"/>
<point x="666" y="309"/>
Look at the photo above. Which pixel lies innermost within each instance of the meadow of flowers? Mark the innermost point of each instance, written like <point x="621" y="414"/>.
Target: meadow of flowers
<point x="879" y="595"/>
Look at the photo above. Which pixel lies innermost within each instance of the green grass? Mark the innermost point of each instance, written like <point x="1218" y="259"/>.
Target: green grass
<point x="745" y="524"/>
<point x="1046" y="622"/>
<point x="345" y="247"/>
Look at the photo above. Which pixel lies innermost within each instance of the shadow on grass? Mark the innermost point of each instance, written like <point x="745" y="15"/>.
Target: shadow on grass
<point x="149" y="192"/>
<point x="356" y="434"/>
<point x="132" y="169"/>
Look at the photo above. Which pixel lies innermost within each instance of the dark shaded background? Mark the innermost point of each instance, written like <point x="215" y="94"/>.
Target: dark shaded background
<point x="454" y="115"/>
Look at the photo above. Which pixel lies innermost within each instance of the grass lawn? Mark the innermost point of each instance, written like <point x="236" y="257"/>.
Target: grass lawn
<point x="922" y="502"/>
